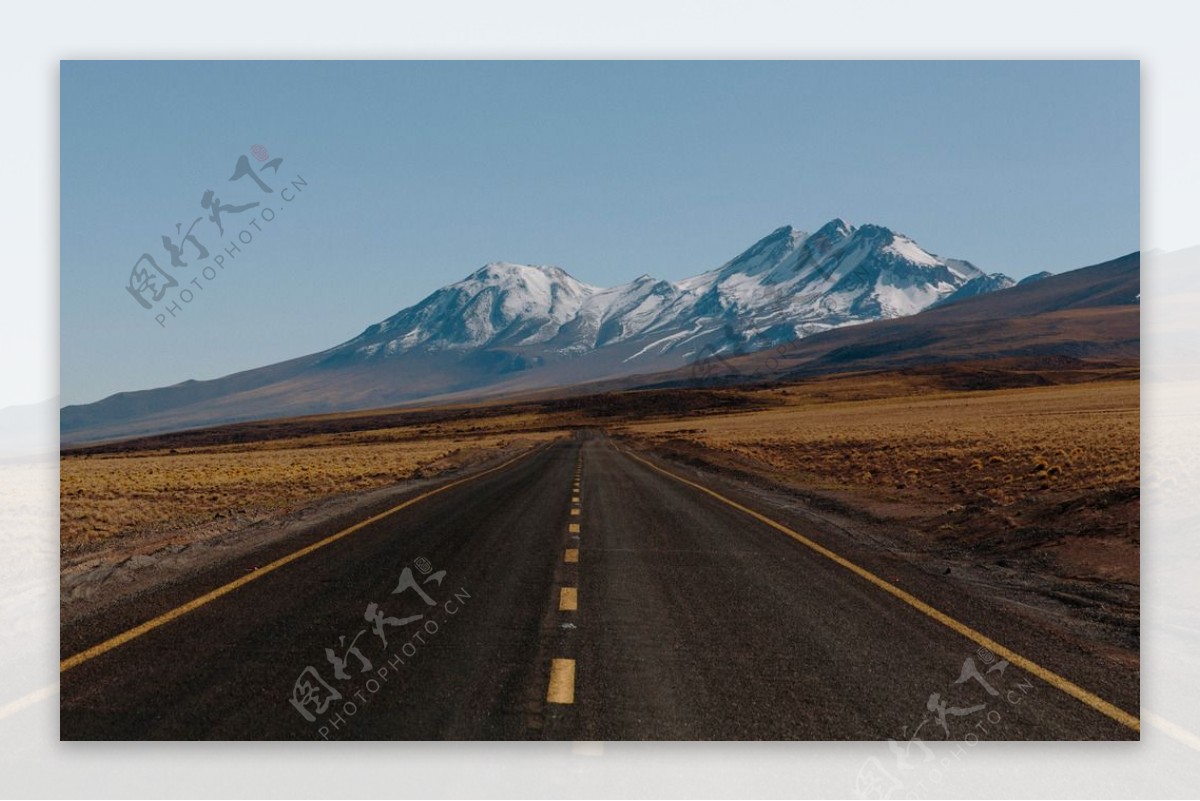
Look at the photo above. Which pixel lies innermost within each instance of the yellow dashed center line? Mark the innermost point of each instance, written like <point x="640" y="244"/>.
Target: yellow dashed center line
<point x="562" y="671"/>
<point x="1070" y="688"/>
<point x="562" y="682"/>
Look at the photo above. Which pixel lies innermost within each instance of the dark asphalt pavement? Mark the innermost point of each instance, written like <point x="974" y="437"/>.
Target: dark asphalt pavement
<point x="689" y="620"/>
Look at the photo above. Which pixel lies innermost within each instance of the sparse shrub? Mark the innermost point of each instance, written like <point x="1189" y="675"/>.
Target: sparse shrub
<point x="999" y="496"/>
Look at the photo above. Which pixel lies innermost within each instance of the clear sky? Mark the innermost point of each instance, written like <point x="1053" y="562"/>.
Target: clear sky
<point x="418" y="173"/>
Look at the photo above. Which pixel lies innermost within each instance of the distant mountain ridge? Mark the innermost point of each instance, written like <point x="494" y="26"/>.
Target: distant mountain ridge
<point x="791" y="280"/>
<point x="540" y="327"/>
<point x="979" y="285"/>
<point x="1082" y="317"/>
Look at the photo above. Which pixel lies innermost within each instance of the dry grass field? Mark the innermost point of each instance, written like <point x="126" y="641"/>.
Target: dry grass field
<point x="1001" y="444"/>
<point x="1038" y="474"/>
<point x="106" y="496"/>
<point x="1048" y="473"/>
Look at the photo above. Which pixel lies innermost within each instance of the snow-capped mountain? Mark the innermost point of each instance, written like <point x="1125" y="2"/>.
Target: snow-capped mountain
<point x="1029" y="279"/>
<point x="788" y="284"/>
<point x="508" y="328"/>
<point x="979" y="285"/>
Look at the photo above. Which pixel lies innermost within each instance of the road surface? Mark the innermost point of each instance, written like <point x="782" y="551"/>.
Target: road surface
<point x="580" y="592"/>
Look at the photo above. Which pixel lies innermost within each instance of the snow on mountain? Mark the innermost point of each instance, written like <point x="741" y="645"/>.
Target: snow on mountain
<point x="979" y="285"/>
<point x="1029" y="279"/>
<point x="497" y="304"/>
<point x="788" y="284"/>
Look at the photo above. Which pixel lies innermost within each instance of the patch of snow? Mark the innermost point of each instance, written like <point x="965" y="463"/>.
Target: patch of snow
<point x="907" y="249"/>
<point x="665" y="341"/>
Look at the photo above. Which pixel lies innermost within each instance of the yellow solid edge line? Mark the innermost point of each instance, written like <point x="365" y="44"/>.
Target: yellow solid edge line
<point x="572" y="528"/>
<point x="562" y="682"/>
<point x="196" y="603"/>
<point x="568" y="599"/>
<point x="1065" y="685"/>
<point x="571" y="555"/>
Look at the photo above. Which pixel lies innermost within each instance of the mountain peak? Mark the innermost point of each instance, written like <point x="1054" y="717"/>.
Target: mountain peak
<point x="981" y="284"/>
<point x="509" y="324"/>
<point x="835" y="229"/>
<point x="541" y="279"/>
<point x="496" y="269"/>
<point x="1029" y="279"/>
<point x="788" y="283"/>
<point x="785" y="237"/>
<point x="759" y="257"/>
<point x="878" y="233"/>
<point x="779" y="233"/>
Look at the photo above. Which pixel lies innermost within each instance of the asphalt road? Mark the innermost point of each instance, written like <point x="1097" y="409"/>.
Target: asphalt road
<point x="586" y="596"/>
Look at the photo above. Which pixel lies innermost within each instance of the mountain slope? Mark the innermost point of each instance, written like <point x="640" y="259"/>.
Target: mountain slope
<point x="980" y="285"/>
<point x="1092" y="313"/>
<point x="522" y="326"/>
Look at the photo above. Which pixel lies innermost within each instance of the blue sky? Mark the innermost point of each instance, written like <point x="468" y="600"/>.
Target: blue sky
<point x="418" y="173"/>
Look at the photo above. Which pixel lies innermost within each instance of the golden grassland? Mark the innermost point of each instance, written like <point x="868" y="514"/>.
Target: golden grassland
<point x="931" y="447"/>
<point x="1047" y="471"/>
<point x="108" y="496"/>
